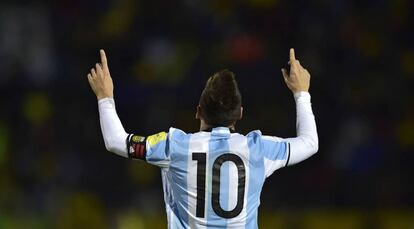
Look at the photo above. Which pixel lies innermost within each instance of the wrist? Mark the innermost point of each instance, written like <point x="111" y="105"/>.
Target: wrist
<point x="299" y="94"/>
<point x="99" y="97"/>
<point x="299" y="91"/>
<point x="106" y="103"/>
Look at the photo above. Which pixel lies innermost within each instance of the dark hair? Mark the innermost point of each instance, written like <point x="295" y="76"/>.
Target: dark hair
<point x="221" y="100"/>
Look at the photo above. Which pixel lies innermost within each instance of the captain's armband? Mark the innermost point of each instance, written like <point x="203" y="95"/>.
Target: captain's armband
<point x="136" y="147"/>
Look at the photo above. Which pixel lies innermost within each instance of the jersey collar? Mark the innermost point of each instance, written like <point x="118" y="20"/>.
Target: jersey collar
<point x="219" y="130"/>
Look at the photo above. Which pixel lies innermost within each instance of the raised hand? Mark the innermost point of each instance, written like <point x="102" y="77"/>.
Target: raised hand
<point x="298" y="78"/>
<point x="100" y="79"/>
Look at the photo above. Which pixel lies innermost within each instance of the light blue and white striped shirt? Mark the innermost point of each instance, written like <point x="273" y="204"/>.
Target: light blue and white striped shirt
<point x="213" y="179"/>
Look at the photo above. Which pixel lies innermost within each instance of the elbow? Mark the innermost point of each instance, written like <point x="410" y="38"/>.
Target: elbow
<point x="314" y="145"/>
<point x="110" y="145"/>
<point x="315" y="148"/>
<point x="110" y="148"/>
<point x="116" y="146"/>
<point x="304" y="147"/>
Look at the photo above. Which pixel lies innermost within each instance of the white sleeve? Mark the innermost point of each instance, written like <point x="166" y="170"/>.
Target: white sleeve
<point x="306" y="142"/>
<point x="112" y="130"/>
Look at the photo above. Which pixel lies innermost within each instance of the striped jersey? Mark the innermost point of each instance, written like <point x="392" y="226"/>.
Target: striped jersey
<point x="211" y="179"/>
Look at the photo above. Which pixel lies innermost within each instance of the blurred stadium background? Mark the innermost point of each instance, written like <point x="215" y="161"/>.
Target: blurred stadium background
<point x="55" y="172"/>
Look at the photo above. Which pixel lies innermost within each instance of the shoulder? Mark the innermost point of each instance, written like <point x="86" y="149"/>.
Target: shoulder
<point x="176" y="131"/>
<point x="157" y="138"/>
<point x="272" y="138"/>
<point x="175" y="134"/>
<point x="257" y="136"/>
<point x="254" y="133"/>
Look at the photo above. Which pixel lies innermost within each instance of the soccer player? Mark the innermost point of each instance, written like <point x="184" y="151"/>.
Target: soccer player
<point x="212" y="178"/>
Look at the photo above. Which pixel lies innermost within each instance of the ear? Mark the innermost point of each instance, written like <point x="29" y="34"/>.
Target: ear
<point x="241" y="112"/>
<point x="198" y="112"/>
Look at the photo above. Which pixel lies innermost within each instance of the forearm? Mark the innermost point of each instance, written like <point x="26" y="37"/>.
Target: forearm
<point x="306" y="142"/>
<point x="112" y="130"/>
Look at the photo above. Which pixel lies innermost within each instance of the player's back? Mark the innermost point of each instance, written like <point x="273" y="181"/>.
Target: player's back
<point x="214" y="179"/>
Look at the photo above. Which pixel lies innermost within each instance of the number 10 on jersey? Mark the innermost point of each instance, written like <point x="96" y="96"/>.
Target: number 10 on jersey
<point x="201" y="159"/>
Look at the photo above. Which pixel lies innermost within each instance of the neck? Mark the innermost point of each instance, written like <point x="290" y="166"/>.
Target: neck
<point x="204" y="126"/>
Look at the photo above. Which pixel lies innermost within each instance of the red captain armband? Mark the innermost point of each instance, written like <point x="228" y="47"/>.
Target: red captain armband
<point x="136" y="147"/>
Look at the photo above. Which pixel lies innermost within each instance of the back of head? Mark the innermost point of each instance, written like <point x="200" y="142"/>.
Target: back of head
<point x="220" y="100"/>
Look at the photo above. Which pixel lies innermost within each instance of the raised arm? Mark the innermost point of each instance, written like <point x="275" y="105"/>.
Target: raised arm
<point x="306" y="142"/>
<point x="112" y="130"/>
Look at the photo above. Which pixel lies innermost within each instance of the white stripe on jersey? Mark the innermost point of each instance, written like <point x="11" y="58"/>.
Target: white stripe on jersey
<point x="197" y="144"/>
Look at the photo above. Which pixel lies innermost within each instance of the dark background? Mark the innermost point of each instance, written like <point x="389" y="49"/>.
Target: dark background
<point x="55" y="172"/>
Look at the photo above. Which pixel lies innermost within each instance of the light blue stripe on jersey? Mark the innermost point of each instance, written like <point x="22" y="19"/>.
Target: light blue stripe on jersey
<point x="256" y="178"/>
<point x="157" y="154"/>
<point x="274" y="150"/>
<point x="179" y="143"/>
<point x="218" y="145"/>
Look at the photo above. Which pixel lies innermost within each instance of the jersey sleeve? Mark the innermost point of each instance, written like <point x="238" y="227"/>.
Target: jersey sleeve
<point x="152" y="149"/>
<point x="276" y="153"/>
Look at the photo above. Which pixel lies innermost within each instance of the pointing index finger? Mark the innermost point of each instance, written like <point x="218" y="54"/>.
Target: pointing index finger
<point x="292" y="55"/>
<point x="104" y="61"/>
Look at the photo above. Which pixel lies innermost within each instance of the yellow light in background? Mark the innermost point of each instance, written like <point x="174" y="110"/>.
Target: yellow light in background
<point x="395" y="219"/>
<point x="328" y="219"/>
<point x="272" y="220"/>
<point x="119" y="19"/>
<point x="82" y="210"/>
<point x="37" y="108"/>
<point x="370" y="44"/>
<point x="142" y="173"/>
<point x="164" y="62"/>
<point x="134" y="219"/>
<point x="131" y="219"/>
